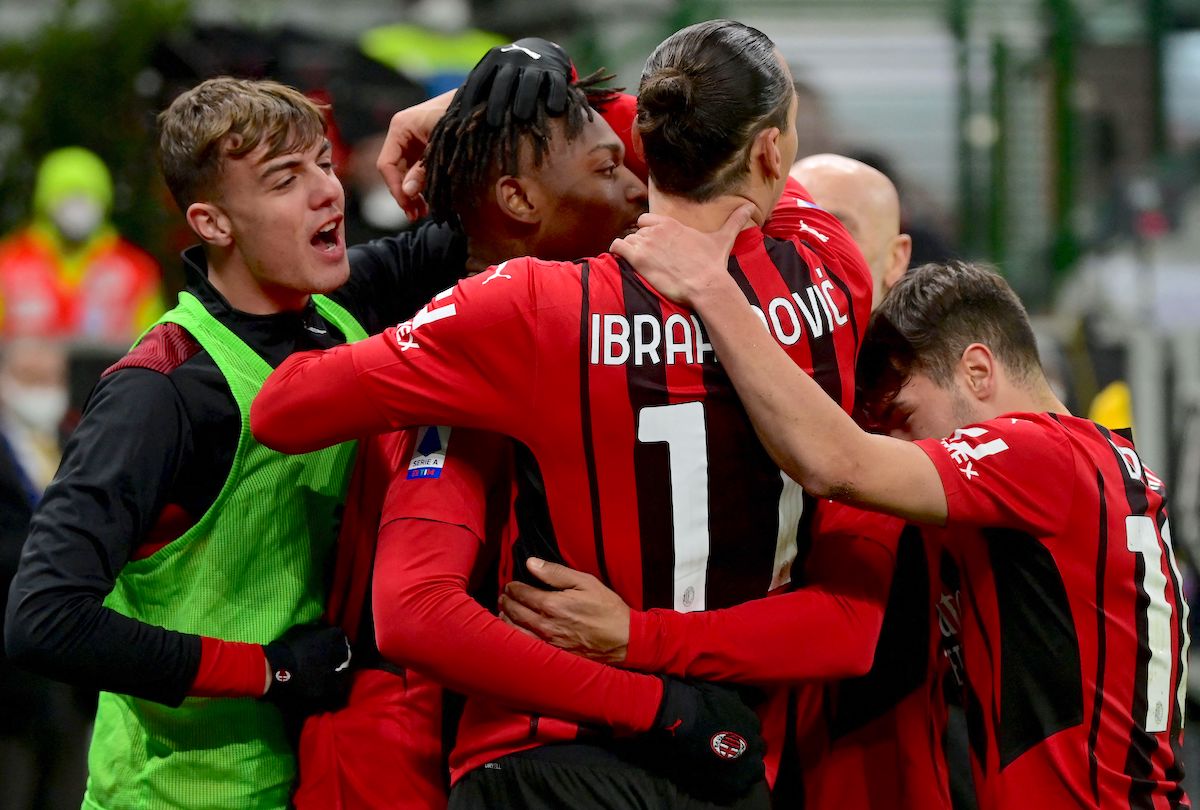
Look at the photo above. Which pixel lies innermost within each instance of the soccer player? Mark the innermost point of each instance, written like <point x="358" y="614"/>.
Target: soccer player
<point x="1074" y="638"/>
<point x="870" y="740"/>
<point x="385" y="746"/>
<point x="171" y="547"/>
<point x="655" y="483"/>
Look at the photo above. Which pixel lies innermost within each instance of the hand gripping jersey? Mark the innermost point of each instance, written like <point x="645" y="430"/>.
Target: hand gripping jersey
<point x="1073" y="620"/>
<point x="655" y="479"/>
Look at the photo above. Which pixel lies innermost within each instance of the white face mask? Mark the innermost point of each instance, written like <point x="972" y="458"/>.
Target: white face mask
<point x="39" y="407"/>
<point x="77" y="218"/>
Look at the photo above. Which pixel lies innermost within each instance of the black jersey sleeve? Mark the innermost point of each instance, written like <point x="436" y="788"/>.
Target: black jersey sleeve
<point x="117" y="470"/>
<point x="393" y="277"/>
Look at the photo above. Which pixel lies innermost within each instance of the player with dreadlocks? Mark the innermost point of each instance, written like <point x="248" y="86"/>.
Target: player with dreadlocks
<point x="552" y="185"/>
<point x="520" y="160"/>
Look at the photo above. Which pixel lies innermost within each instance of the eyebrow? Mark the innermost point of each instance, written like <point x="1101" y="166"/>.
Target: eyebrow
<point x="616" y="146"/>
<point x="292" y="163"/>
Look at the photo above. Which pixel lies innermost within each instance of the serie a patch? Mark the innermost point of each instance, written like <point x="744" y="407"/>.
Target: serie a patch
<point x="429" y="456"/>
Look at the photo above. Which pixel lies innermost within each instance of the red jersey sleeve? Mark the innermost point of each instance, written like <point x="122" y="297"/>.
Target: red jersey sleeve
<point x="469" y="357"/>
<point x="446" y="474"/>
<point x="825" y="629"/>
<point x="1008" y="472"/>
<point x="426" y="618"/>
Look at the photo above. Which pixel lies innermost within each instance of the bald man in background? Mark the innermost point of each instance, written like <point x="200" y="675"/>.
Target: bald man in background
<point x="866" y="202"/>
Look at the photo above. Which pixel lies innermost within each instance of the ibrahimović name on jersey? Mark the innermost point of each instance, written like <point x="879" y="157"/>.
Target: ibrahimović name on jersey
<point x="618" y="339"/>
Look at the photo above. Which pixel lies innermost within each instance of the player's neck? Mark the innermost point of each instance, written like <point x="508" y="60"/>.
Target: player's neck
<point x="485" y="253"/>
<point x="238" y="286"/>
<point x="1032" y="397"/>
<point x="707" y="216"/>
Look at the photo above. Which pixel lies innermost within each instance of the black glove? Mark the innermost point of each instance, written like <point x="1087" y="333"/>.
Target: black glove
<point x="709" y="741"/>
<point x="512" y="77"/>
<point x="310" y="669"/>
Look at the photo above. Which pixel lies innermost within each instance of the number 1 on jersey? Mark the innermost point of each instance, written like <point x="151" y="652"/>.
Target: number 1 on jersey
<point x="682" y="428"/>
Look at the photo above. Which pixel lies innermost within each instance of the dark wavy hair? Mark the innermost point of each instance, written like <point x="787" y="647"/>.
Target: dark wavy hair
<point x="705" y="92"/>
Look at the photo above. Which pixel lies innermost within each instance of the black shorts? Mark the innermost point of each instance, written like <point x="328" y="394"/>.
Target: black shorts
<point x="581" y="775"/>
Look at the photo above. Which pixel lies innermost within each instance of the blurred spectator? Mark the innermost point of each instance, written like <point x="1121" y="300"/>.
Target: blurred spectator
<point x="371" y="211"/>
<point x="68" y="273"/>
<point x="43" y="724"/>
<point x="33" y="400"/>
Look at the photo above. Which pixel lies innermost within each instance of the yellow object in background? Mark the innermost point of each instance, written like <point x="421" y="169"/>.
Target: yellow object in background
<point x="1113" y="406"/>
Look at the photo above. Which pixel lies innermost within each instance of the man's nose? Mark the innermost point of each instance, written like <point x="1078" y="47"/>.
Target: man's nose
<point x="327" y="190"/>
<point x="635" y="189"/>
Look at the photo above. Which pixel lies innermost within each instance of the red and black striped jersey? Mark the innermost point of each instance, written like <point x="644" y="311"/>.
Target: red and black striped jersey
<point x="1073" y="617"/>
<point x="878" y="740"/>
<point x="655" y="479"/>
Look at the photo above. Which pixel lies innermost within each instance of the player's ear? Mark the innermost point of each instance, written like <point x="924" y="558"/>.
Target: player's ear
<point x="901" y="254"/>
<point x="516" y="201"/>
<point x="210" y="223"/>
<point x="978" y="369"/>
<point x="635" y="140"/>
<point x="767" y="155"/>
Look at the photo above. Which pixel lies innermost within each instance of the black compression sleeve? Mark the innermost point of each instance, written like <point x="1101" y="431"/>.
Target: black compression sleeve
<point x="117" y="470"/>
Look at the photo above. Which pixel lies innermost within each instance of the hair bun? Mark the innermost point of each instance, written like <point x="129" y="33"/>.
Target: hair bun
<point x="669" y="91"/>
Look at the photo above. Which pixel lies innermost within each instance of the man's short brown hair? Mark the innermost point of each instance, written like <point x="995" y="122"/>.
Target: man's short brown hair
<point x="225" y="117"/>
<point x="931" y="316"/>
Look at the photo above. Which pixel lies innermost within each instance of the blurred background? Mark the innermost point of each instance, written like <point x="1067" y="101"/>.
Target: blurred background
<point x="1058" y="139"/>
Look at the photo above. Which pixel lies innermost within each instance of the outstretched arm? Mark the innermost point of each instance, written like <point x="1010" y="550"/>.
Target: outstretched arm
<point x="95" y="518"/>
<point x="458" y="361"/>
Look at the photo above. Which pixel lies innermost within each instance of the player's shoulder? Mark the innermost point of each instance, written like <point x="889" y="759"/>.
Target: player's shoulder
<point x="1107" y="446"/>
<point x="1053" y="429"/>
<point x="1039" y="442"/>
<point x="164" y="349"/>
<point x="525" y="275"/>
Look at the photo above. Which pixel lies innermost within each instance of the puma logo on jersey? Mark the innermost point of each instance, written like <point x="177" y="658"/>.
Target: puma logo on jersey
<point x="806" y="228"/>
<point x="497" y="273"/>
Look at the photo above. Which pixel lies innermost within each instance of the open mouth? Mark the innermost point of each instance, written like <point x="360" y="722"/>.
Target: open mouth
<point x="328" y="237"/>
